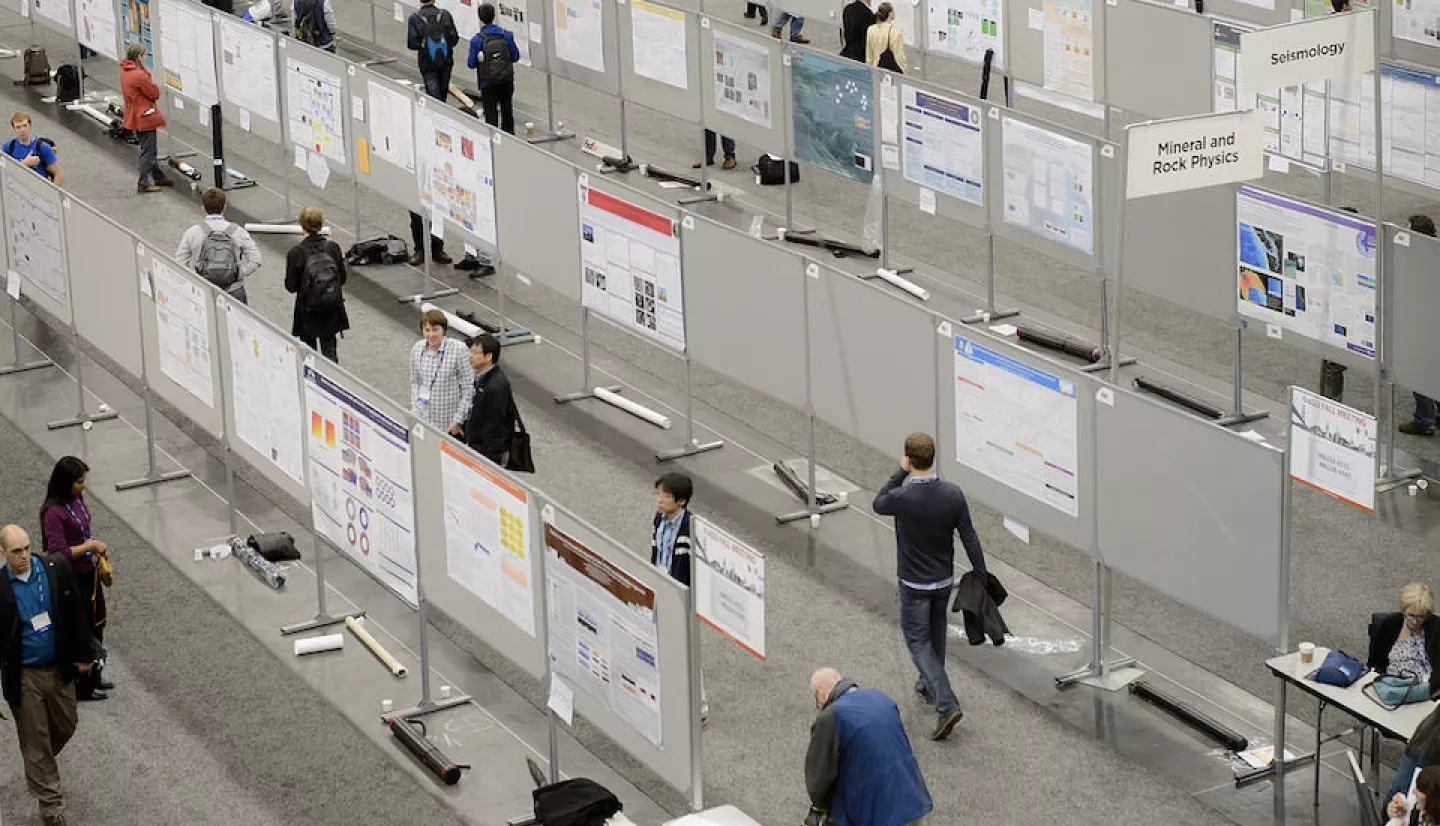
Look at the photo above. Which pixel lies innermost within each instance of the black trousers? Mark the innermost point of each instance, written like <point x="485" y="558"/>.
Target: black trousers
<point x="92" y="596"/>
<point x="496" y="100"/>
<point x="327" y="345"/>
<point x="417" y="234"/>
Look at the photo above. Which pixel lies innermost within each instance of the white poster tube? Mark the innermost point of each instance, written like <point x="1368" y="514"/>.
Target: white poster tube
<point x="893" y="279"/>
<point x="315" y="645"/>
<point x="635" y="409"/>
<point x="280" y="229"/>
<point x="456" y="323"/>
<point x="375" y="647"/>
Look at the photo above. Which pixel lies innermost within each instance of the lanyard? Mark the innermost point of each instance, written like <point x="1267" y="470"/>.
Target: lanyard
<point x="439" y="365"/>
<point x="85" y="525"/>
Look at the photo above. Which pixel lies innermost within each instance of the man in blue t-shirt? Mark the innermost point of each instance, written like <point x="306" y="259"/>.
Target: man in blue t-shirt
<point x="31" y="151"/>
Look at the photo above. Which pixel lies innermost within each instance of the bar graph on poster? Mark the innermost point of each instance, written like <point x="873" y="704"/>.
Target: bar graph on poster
<point x="265" y="393"/>
<point x="487" y="536"/>
<point x="315" y="110"/>
<point x="187" y="52"/>
<point x="182" y="327"/>
<point x="630" y="262"/>
<point x="457" y="173"/>
<point x="36" y="239"/>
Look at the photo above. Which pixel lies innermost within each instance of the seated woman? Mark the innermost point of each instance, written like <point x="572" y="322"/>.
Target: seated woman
<point x="1407" y="643"/>
<point x="1426" y="811"/>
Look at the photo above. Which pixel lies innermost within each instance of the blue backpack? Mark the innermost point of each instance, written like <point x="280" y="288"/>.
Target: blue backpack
<point x="435" y="48"/>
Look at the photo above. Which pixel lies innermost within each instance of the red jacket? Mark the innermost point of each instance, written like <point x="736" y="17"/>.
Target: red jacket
<point x="142" y="98"/>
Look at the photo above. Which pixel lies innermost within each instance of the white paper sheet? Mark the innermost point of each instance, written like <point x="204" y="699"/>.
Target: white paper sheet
<point x="658" y="42"/>
<point x="579" y="29"/>
<point x="247" y="67"/>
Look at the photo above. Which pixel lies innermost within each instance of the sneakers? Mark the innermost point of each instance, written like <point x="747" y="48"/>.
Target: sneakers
<point x="1413" y="429"/>
<point x="729" y="163"/>
<point x="924" y="693"/>
<point x="442" y="258"/>
<point x="947" y="724"/>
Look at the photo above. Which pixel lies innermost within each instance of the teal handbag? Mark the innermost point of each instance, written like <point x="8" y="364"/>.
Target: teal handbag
<point x="1393" y="692"/>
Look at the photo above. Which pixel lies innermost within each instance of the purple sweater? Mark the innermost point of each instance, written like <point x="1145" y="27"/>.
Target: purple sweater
<point x="65" y="528"/>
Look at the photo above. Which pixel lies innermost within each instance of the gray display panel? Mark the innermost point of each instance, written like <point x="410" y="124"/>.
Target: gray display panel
<point x="1143" y="33"/>
<point x="35" y="239"/>
<point x="244" y="100"/>
<point x="328" y="104"/>
<point x="998" y="120"/>
<point x="526" y="20"/>
<point x="660" y="95"/>
<point x="603" y="70"/>
<point x="1425" y="54"/>
<point x="757" y="117"/>
<point x="871" y="355"/>
<point x="20" y="7"/>
<point x="171" y="72"/>
<point x="386" y="100"/>
<point x="919" y="124"/>
<point x="1412" y="292"/>
<point x="729" y="276"/>
<point x="1192" y="510"/>
<point x="1014" y="495"/>
<point x="539" y="223"/>
<point x="1180" y="246"/>
<point x="1250" y="13"/>
<point x="435" y="518"/>
<point x="101" y="258"/>
<point x="209" y="417"/>
<point x="1025" y="59"/>
<point x="55" y="15"/>
<point x="672" y="760"/>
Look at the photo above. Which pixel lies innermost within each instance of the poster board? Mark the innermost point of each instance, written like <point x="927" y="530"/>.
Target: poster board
<point x="1176" y="245"/>
<point x="467" y="22"/>
<point x="1142" y="33"/>
<point x="249" y="81"/>
<point x="204" y="336"/>
<point x="526" y="20"/>
<point x="359" y="468"/>
<point x="1255" y="12"/>
<point x="964" y="29"/>
<point x="1064" y="53"/>
<point x="538" y="191"/>
<point x="1410" y="104"/>
<point x="382" y="125"/>
<point x="833" y="114"/>
<point x="730" y="587"/>
<point x="1046" y="190"/>
<point x="659" y="58"/>
<point x="1411" y="291"/>
<point x="97" y="26"/>
<point x="1295" y="117"/>
<point x="939" y="144"/>
<point x="35" y="239"/>
<point x="100" y="257"/>
<point x="455" y="172"/>
<point x="1332" y="448"/>
<point x="54" y="15"/>
<point x="583" y="45"/>
<point x="1412" y="31"/>
<point x="136" y="28"/>
<point x="316" y="106"/>
<point x="187" y="54"/>
<point x="745" y="97"/>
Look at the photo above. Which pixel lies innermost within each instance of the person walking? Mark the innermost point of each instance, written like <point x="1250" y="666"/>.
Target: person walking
<point x="726" y="144"/>
<point x="493" y="54"/>
<point x="315" y="23"/>
<point x="45" y="646"/>
<point x="36" y="153"/>
<point x="884" y="42"/>
<point x="1423" y="422"/>
<point x="220" y="251"/>
<point x="431" y="34"/>
<point x="491" y="425"/>
<point x="315" y="273"/>
<point x="928" y="513"/>
<point x="65" y="531"/>
<point x="143" y="116"/>
<point x="860" y="769"/>
<point x="855" y="22"/>
<point x="441" y="379"/>
<point x="753" y="10"/>
<point x="796" y="24"/>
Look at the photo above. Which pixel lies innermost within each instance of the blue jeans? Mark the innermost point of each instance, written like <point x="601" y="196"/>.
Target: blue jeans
<point x="725" y="143"/>
<point x="437" y="83"/>
<point x="796" y="22"/>
<point x="924" y="625"/>
<point x="1403" y="776"/>
<point x="1425" y="409"/>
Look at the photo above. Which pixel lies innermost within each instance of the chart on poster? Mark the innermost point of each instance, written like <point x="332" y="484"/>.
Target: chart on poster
<point x="834" y="114"/>
<point x="1048" y="184"/>
<point x="182" y="327"/>
<point x="658" y="40"/>
<point x="457" y="174"/>
<point x="392" y="126"/>
<point x="314" y="108"/>
<point x="97" y="28"/>
<point x="187" y="52"/>
<point x="579" y="33"/>
<point x="1069" y="37"/>
<point x="247" y="67"/>
<point x="1294" y="116"/>
<point x="730" y="587"/>
<point x="630" y="262"/>
<point x="361" y="487"/>
<point x="264" y="392"/>
<point x="36" y="239"/>
<point x="965" y="29"/>
<point x="135" y="17"/>
<point x="742" y="79"/>
<point x="1332" y="448"/>
<point x="1307" y="270"/>
<point x="1017" y="425"/>
<point x="943" y="147"/>
<point x="487" y="536"/>
<point x="603" y="634"/>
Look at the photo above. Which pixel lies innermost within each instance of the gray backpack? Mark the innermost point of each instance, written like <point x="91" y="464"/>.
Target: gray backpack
<point x="220" y="257"/>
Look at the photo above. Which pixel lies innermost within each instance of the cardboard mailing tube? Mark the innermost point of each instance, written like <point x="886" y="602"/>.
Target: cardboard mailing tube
<point x="375" y="647"/>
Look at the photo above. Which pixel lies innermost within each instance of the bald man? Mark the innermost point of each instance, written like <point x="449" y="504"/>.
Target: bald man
<point x="860" y="769"/>
<point x="46" y="645"/>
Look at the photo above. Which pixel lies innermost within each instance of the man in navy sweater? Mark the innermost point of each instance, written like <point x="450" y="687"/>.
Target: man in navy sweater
<point x="928" y="513"/>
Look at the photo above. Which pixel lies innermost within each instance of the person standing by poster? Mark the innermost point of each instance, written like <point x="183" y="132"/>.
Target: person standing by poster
<point x="855" y="22"/>
<point x="884" y="43"/>
<point x="490" y="427"/>
<point x="142" y="116"/>
<point x="670" y="542"/>
<point x="493" y="54"/>
<point x="441" y="378"/>
<point x="65" y="532"/>
<point x="315" y="273"/>
<point x="431" y="34"/>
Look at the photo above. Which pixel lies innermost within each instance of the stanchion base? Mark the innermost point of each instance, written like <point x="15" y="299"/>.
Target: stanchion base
<point x="245" y="184"/>
<point x="11" y="369"/>
<point x="1252" y="777"/>
<point x="688" y="450"/>
<point x="582" y="395"/>
<point x="320" y="621"/>
<point x="1104" y="364"/>
<point x="698" y="199"/>
<point x="822" y="510"/>
<point x="1385" y="484"/>
<point x="424" y="707"/>
<point x="517" y="335"/>
<point x="550" y="137"/>
<point x="426" y="296"/>
<point x="1067" y="680"/>
<point x="986" y="318"/>
<point x="377" y="61"/>
<point x="156" y="479"/>
<point x="1242" y="418"/>
<point x="81" y="420"/>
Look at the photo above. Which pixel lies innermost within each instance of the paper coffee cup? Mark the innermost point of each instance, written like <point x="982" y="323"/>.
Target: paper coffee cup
<point x="1307" y="652"/>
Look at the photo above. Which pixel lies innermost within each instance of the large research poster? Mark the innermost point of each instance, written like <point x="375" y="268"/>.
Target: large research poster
<point x="1411" y="115"/>
<point x="248" y="68"/>
<point x="944" y="148"/>
<point x="1307" y="270"/>
<point x="1294" y="116"/>
<point x="97" y="28"/>
<point x="834" y="114"/>
<point x="457" y="171"/>
<point x="742" y="79"/>
<point x="603" y="634"/>
<point x="361" y="482"/>
<point x="730" y="587"/>
<point x="579" y="33"/>
<point x="658" y="37"/>
<point x="265" y="394"/>
<point x="1049" y="185"/>
<point x="36" y="238"/>
<point x="965" y="29"/>
<point x="487" y="536"/>
<point x="1017" y="425"/>
<point x="630" y="258"/>
<point x="314" y="109"/>
<point x="56" y="11"/>
<point x="1332" y="448"/>
<point x="392" y="126"/>
<point x="187" y="52"/>
<point x="183" y="329"/>
<point x="1069" y="38"/>
<point x="1416" y="20"/>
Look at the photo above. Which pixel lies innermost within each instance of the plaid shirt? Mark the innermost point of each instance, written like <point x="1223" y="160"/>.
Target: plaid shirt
<point x="450" y="379"/>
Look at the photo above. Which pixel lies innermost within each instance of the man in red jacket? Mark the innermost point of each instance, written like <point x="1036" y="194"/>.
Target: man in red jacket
<point x="142" y="115"/>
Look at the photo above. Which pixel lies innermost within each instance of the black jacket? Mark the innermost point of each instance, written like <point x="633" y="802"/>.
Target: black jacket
<point x="855" y="22"/>
<point x="680" y="560"/>
<point x="415" y="36"/>
<point x="491" y="425"/>
<point x="73" y="643"/>
<point x="983" y="601"/>
<point x="306" y="324"/>
<point x="1385" y="630"/>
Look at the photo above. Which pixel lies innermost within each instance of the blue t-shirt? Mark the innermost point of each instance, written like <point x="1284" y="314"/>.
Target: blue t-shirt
<point x="20" y="151"/>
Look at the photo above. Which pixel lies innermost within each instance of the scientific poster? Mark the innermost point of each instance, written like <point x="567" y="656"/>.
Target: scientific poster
<point x="1307" y="270"/>
<point x="1294" y="117"/>
<point x="182" y="327"/>
<point x="1017" y="425"/>
<point x="265" y="395"/>
<point x="465" y="13"/>
<point x="1411" y="122"/>
<point x="315" y="110"/>
<point x="742" y="79"/>
<point x="56" y="11"/>
<point x="834" y="114"/>
<point x="730" y="587"/>
<point x="1048" y="185"/>
<point x="247" y="67"/>
<point x="1416" y="20"/>
<point x="630" y="258"/>
<point x="512" y="15"/>
<point x="658" y="44"/>
<point x="487" y="536"/>
<point x="943" y="148"/>
<point x="578" y="34"/>
<point x="392" y="125"/>
<point x="457" y="171"/>
<point x="36" y="238"/>
<point x="96" y="26"/>
<point x="135" y="15"/>
<point x="965" y="29"/>
<point x="603" y="637"/>
<point x="361" y="487"/>
<point x="187" y="52"/>
<point x="1332" y="448"/>
<point x="1069" y="38"/>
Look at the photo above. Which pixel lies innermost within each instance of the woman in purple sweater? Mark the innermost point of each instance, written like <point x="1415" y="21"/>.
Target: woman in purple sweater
<point x="65" y="528"/>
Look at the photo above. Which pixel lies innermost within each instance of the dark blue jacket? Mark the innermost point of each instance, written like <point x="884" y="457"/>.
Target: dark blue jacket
<point x="478" y="42"/>
<point x="680" y="560"/>
<point x="860" y="767"/>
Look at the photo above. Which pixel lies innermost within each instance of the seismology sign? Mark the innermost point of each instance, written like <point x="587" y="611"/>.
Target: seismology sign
<point x="1193" y="153"/>
<point x="1307" y="52"/>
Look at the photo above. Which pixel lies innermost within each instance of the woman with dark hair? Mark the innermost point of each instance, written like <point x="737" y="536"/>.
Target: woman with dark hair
<point x="1422" y="751"/>
<point x="65" y="531"/>
<point x="1426" y="811"/>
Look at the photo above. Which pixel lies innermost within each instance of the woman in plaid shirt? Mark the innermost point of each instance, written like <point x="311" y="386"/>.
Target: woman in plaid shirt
<point x="442" y="382"/>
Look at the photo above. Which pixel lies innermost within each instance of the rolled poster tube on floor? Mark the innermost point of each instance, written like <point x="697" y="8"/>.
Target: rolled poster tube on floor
<point x="635" y="409"/>
<point x="375" y="647"/>
<point x="315" y="645"/>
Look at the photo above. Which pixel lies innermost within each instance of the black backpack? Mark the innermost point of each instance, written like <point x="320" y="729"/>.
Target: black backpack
<point x="495" y="63"/>
<point x="320" y="286"/>
<point x="310" y="22"/>
<point x="434" y="44"/>
<point x="67" y="83"/>
<point x="382" y="249"/>
<point x="770" y="170"/>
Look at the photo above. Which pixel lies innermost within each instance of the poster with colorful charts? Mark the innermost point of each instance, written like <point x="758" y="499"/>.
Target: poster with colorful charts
<point x="182" y="327"/>
<point x="97" y="28"/>
<point x="264" y="392"/>
<point x="834" y="114"/>
<point x="1049" y="187"/>
<point x="1332" y="448"/>
<point x="965" y="29"/>
<point x="487" y="535"/>
<point x="361" y="484"/>
<point x="742" y="79"/>
<point x="730" y="587"/>
<point x="135" y="26"/>
<point x="315" y="110"/>
<point x="247" y="69"/>
<point x="630" y="267"/>
<point x="1069" y="37"/>
<point x="457" y="173"/>
<point x="187" y="52"/>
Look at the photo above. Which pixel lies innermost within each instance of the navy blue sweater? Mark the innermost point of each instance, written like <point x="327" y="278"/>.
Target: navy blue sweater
<point x="927" y="517"/>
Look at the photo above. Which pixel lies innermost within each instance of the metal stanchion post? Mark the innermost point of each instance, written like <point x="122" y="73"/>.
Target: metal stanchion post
<point x="697" y="700"/>
<point x="692" y="445"/>
<point x="427" y="704"/>
<point x="18" y="364"/>
<point x="82" y="416"/>
<point x="427" y="247"/>
<point x="153" y="476"/>
<point x="991" y="312"/>
<point x="1237" y="389"/>
<point x="587" y="389"/>
<point x="813" y="509"/>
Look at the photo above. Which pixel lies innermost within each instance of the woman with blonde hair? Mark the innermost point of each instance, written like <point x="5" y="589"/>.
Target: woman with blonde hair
<point x="884" y="43"/>
<point x="1406" y="643"/>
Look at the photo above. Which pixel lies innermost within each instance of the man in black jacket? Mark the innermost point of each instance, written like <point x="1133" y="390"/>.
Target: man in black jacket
<point x="855" y="22"/>
<point x="44" y="643"/>
<point x="431" y="34"/>
<point x="491" y="425"/>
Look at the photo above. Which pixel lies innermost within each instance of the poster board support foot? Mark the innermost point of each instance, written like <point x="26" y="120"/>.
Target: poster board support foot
<point x="19" y="365"/>
<point x="896" y="279"/>
<point x="1104" y="364"/>
<point x="83" y="418"/>
<point x="692" y="444"/>
<point x="581" y="395"/>
<point x="425" y="707"/>
<point x="987" y="316"/>
<point x="1237" y="404"/>
<point x="989" y="312"/>
<point x="428" y="704"/>
<point x="153" y="476"/>
<point x="323" y="618"/>
<point x="1391" y="480"/>
<point x="429" y="295"/>
<point x="1099" y="670"/>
